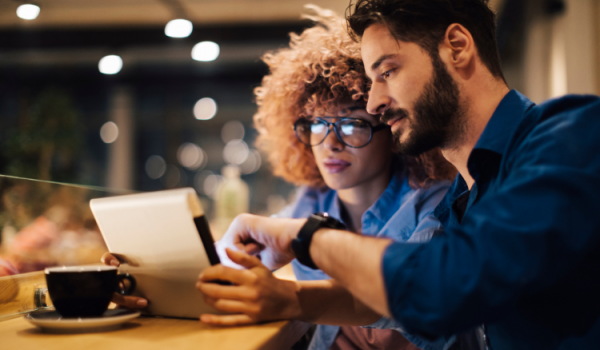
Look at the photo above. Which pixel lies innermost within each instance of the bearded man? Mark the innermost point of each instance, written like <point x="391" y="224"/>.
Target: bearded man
<point x="520" y="252"/>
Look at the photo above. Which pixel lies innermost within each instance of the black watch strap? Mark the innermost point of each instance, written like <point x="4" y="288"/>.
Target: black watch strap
<point x="301" y="245"/>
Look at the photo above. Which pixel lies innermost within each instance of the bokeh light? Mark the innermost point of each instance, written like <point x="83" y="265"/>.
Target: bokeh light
<point x="28" y="11"/>
<point x="109" y="132"/>
<point x="179" y="28"/>
<point x="110" y="64"/>
<point x="206" y="51"/>
<point x="232" y="130"/>
<point x="155" y="167"/>
<point x="206" y="182"/>
<point x="205" y="108"/>
<point x="211" y="183"/>
<point x="236" y="152"/>
<point x="199" y="180"/>
<point x="173" y="176"/>
<point x="252" y="163"/>
<point x="191" y="156"/>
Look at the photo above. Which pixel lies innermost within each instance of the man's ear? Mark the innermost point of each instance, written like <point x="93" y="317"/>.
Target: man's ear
<point x="458" y="48"/>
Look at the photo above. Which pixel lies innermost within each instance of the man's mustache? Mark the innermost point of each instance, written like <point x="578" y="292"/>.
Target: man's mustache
<point x="392" y="114"/>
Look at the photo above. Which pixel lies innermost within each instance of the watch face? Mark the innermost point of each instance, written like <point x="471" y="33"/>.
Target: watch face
<point x="328" y="221"/>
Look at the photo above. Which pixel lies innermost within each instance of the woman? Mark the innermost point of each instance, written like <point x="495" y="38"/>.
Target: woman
<point x="316" y="132"/>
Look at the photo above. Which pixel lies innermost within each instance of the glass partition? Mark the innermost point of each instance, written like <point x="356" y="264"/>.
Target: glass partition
<point x="47" y="224"/>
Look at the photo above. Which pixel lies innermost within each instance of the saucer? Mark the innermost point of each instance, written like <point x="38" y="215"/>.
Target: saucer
<point x="52" y="322"/>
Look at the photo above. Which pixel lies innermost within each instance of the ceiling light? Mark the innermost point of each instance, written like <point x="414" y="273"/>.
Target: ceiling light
<point x="205" y="51"/>
<point x="28" y="11"/>
<point x="179" y="28"/>
<point x="110" y="64"/>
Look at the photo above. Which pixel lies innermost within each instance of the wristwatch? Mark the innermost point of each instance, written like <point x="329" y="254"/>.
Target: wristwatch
<point x="301" y="244"/>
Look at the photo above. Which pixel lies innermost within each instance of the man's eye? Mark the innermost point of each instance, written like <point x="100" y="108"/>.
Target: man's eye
<point x="387" y="73"/>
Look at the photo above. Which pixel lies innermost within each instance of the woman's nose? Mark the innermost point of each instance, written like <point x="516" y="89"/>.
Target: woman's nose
<point x="332" y="142"/>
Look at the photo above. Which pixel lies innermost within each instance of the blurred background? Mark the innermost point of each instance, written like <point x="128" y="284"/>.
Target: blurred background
<point x="142" y="95"/>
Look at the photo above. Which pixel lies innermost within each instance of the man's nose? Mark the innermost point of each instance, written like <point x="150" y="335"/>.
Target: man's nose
<point x="379" y="101"/>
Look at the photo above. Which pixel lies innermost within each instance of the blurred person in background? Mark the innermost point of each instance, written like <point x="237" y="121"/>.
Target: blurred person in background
<point x="7" y="269"/>
<point x="317" y="134"/>
<point x="47" y="225"/>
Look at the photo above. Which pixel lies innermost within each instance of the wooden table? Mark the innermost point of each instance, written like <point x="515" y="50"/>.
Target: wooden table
<point x="149" y="333"/>
<point x="144" y="333"/>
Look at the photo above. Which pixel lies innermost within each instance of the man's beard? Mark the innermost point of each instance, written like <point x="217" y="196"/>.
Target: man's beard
<point x="438" y="117"/>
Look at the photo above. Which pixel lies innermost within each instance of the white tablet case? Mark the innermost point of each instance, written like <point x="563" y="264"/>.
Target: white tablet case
<point x="156" y="238"/>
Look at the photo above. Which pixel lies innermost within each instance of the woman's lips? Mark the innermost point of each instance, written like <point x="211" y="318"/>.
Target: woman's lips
<point x="335" y="166"/>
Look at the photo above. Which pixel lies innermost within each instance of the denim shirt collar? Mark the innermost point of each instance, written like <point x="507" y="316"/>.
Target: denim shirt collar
<point x="503" y="122"/>
<point x="384" y="207"/>
<point x="380" y="212"/>
<point x="490" y="148"/>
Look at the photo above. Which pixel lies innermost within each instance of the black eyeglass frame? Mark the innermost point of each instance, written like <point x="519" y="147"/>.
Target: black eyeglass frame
<point x="373" y="129"/>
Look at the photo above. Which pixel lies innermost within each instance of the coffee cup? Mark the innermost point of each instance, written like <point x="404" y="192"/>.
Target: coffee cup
<point x="85" y="291"/>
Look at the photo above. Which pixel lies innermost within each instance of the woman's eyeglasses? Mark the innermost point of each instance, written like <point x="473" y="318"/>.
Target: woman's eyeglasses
<point x="352" y="132"/>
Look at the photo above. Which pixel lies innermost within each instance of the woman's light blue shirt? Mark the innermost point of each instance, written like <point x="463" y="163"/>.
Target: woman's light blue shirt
<point x="400" y="213"/>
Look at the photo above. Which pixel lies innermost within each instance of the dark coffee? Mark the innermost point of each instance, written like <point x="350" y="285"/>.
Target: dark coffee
<point x="84" y="291"/>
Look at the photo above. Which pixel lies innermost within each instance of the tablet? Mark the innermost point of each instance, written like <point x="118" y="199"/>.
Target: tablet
<point x="164" y="241"/>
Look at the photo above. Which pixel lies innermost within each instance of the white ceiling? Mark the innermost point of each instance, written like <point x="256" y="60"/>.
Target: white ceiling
<point x="68" y="13"/>
<point x="81" y="13"/>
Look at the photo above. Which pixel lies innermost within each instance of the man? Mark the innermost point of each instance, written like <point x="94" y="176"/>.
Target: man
<point x="521" y="249"/>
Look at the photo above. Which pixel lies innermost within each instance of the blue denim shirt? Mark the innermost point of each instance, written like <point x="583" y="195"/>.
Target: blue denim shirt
<point x="525" y="257"/>
<point x="400" y="213"/>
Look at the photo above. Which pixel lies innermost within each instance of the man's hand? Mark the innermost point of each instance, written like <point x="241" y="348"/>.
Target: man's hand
<point x="269" y="237"/>
<point x="127" y="301"/>
<point x="256" y="295"/>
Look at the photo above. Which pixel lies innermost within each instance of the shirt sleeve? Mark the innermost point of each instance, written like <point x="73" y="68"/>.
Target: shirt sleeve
<point x="427" y="223"/>
<point x="517" y="240"/>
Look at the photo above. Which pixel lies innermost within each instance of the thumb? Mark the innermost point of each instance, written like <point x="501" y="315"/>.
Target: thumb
<point x="249" y="248"/>
<point x="245" y="260"/>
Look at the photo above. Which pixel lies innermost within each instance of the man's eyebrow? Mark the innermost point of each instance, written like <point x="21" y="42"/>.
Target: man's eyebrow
<point x="377" y="63"/>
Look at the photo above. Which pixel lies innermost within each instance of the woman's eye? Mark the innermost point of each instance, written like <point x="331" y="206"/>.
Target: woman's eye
<point x="358" y="124"/>
<point x="317" y="128"/>
<point x="350" y="126"/>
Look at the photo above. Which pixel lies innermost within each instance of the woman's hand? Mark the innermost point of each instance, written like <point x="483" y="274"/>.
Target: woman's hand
<point x="255" y="296"/>
<point x="127" y="301"/>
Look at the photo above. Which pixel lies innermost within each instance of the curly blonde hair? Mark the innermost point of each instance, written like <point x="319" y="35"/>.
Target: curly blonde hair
<point x="321" y="70"/>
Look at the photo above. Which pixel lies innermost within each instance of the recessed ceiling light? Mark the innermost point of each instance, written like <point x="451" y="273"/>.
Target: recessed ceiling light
<point x="28" y="11"/>
<point x="205" y="51"/>
<point x="110" y="64"/>
<point x="179" y="28"/>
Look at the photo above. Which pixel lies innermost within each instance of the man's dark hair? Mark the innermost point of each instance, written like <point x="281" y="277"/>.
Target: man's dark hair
<point x="425" y="22"/>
